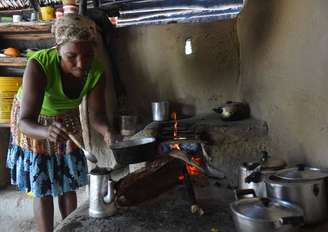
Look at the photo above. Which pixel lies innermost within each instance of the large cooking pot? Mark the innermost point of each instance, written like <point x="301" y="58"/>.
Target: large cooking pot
<point x="305" y="186"/>
<point x="251" y="174"/>
<point x="264" y="214"/>
<point x="135" y="150"/>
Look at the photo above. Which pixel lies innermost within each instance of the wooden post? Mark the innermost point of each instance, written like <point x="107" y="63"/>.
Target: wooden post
<point x="4" y="142"/>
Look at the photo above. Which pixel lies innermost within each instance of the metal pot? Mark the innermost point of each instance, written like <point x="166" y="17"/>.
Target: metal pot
<point x="135" y="150"/>
<point x="264" y="214"/>
<point x="161" y="111"/>
<point x="304" y="186"/>
<point x="251" y="174"/>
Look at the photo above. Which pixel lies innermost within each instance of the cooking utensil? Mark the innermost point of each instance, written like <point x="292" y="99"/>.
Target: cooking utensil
<point x="87" y="154"/>
<point x="101" y="197"/>
<point x="305" y="186"/>
<point x="128" y="125"/>
<point x="135" y="150"/>
<point x="251" y="174"/>
<point x="160" y="110"/>
<point x="264" y="214"/>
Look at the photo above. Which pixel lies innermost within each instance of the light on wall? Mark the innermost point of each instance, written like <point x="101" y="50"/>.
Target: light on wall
<point x="188" y="46"/>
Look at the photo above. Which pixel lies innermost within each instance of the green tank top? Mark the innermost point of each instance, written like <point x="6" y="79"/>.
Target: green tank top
<point x="55" y="101"/>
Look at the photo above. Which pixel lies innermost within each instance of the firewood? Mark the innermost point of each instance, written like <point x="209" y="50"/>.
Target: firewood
<point x="147" y="183"/>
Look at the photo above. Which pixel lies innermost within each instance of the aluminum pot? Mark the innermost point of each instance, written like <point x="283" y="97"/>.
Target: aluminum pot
<point x="264" y="214"/>
<point x="305" y="186"/>
<point x="161" y="111"/>
<point x="251" y="174"/>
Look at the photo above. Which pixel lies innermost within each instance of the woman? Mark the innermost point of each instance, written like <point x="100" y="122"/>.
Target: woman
<point x="41" y="157"/>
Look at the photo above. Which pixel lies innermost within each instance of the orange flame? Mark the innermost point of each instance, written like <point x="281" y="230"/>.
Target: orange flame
<point x="193" y="171"/>
<point x="175" y="125"/>
<point x="175" y="146"/>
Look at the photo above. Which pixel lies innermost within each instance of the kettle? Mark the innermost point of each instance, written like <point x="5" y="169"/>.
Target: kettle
<point x="101" y="193"/>
<point x="252" y="174"/>
<point x="231" y="111"/>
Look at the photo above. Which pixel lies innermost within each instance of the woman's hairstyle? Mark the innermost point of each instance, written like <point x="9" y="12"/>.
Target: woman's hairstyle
<point x="72" y="28"/>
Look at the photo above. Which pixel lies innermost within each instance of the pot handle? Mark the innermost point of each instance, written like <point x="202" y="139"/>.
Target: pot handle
<point x="251" y="167"/>
<point x="239" y="193"/>
<point x="292" y="220"/>
<point x="254" y="177"/>
<point x="301" y="167"/>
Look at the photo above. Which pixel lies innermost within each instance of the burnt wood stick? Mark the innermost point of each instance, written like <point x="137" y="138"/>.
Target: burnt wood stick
<point x="189" y="186"/>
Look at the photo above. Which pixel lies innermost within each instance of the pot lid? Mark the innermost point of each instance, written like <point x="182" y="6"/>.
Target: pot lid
<point x="265" y="209"/>
<point x="273" y="164"/>
<point x="301" y="173"/>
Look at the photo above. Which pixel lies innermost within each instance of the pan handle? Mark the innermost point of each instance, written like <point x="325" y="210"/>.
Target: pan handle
<point x="239" y="193"/>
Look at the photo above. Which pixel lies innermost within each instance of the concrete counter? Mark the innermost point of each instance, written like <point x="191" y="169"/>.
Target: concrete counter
<point x="169" y="212"/>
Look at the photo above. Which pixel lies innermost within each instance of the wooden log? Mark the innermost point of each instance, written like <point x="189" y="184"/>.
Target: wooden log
<point x="158" y="177"/>
<point x="26" y="27"/>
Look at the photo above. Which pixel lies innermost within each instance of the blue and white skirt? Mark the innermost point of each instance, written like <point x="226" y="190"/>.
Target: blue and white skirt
<point x="43" y="167"/>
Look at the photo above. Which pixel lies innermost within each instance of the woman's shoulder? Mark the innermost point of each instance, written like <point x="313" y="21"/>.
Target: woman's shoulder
<point x="44" y="56"/>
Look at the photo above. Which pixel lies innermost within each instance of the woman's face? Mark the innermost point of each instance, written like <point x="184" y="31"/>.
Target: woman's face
<point x="76" y="57"/>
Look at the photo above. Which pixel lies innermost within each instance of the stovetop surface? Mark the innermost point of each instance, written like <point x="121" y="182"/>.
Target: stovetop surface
<point x="168" y="212"/>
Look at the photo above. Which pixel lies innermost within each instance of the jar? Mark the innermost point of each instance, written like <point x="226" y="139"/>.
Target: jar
<point x="71" y="9"/>
<point x="59" y="13"/>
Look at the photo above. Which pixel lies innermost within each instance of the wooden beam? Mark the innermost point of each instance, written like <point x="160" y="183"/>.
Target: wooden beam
<point x="23" y="36"/>
<point x="26" y="27"/>
<point x="13" y="61"/>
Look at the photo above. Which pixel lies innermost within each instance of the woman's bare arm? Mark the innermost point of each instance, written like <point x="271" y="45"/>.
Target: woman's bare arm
<point x="97" y="110"/>
<point x="34" y="84"/>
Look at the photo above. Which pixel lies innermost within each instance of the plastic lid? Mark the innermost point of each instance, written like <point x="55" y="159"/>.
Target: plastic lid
<point x="265" y="209"/>
<point x="301" y="173"/>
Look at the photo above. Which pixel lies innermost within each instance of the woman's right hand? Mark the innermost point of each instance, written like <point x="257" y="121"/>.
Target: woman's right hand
<point x="57" y="133"/>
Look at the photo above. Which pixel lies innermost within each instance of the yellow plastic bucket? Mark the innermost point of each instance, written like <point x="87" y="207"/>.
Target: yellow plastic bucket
<point x="8" y="89"/>
<point x="47" y="13"/>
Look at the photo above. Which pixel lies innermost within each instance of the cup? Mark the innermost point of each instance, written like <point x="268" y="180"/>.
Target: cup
<point x="161" y="111"/>
<point x="33" y="16"/>
<point x="17" y="18"/>
<point x="128" y="125"/>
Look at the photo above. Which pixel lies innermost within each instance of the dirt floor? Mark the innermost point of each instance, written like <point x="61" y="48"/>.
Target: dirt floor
<point x="16" y="210"/>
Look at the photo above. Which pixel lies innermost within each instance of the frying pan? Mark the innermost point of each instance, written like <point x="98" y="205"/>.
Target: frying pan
<point x="135" y="150"/>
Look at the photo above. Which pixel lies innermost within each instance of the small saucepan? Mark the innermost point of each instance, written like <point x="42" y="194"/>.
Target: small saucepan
<point x="135" y="150"/>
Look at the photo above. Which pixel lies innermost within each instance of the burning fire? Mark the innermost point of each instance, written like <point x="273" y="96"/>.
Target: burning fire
<point x="192" y="171"/>
<point x="175" y="125"/>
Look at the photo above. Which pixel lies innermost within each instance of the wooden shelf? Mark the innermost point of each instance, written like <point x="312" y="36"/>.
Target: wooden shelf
<point x="23" y="36"/>
<point x="13" y="12"/>
<point x="2" y="125"/>
<point x="29" y="27"/>
<point x="13" y="61"/>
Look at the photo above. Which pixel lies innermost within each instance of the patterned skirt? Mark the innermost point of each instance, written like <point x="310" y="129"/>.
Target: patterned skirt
<point x="43" y="167"/>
